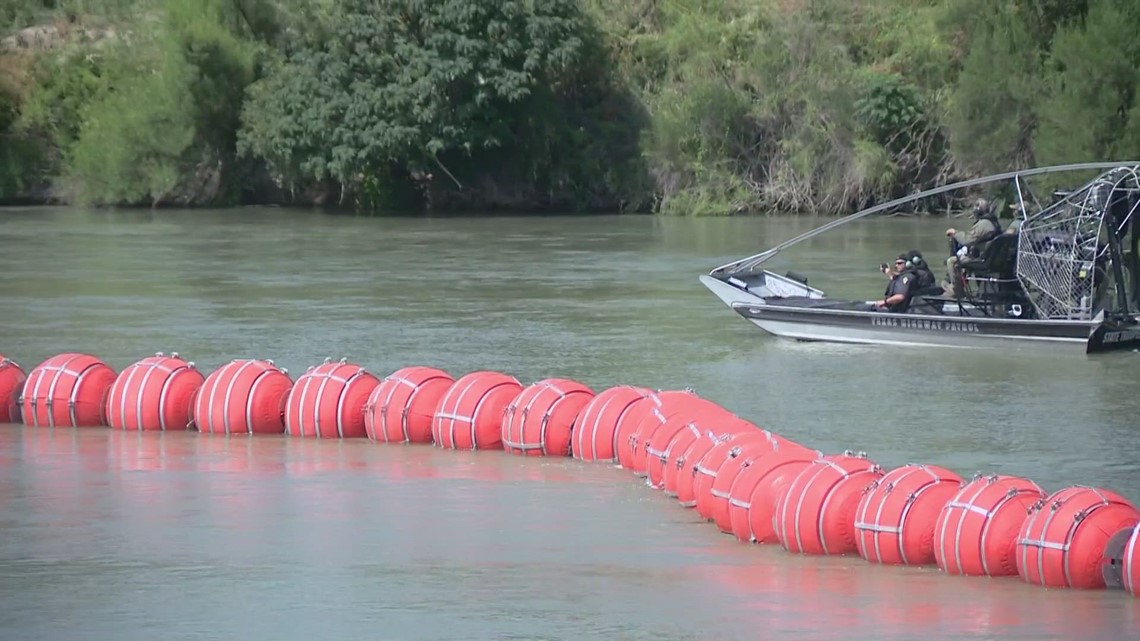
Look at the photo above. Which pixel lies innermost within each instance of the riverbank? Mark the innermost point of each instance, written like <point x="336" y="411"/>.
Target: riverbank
<point x="714" y="108"/>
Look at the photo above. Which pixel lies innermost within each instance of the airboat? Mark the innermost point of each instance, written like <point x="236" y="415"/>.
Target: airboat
<point x="1067" y="272"/>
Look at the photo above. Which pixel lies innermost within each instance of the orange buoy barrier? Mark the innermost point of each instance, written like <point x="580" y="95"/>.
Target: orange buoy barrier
<point x="756" y="492"/>
<point x="895" y="518"/>
<point x="470" y="415"/>
<point x="752" y="471"/>
<point x="400" y="408"/>
<point x="629" y="445"/>
<point x="675" y="451"/>
<point x="67" y="390"/>
<point x="816" y="514"/>
<point x="711" y="433"/>
<point x="1064" y="540"/>
<point x="154" y="394"/>
<point x="244" y="396"/>
<point x="327" y="401"/>
<point x="734" y="483"/>
<point x="976" y="532"/>
<point x="716" y="503"/>
<point x="12" y="379"/>
<point x="673" y="418"/>
<point x="538" y="421"/>
<point x="1130" y="567"/>
<point x="595" y="429"/>
<point x="709" y="466"/>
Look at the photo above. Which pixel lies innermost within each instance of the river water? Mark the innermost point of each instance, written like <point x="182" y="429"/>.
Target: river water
<point x="106" y="535"/>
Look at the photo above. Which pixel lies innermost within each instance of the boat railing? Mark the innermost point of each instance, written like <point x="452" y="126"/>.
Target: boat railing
<point x="1069" y="252"/>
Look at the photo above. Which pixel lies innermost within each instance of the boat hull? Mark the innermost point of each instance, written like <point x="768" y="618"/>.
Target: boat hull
<point x="941" y="330"/>
<point x="875" y="328"/>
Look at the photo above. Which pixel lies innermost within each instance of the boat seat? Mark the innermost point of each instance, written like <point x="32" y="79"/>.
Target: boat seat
<point x="993" y="273"/>
<point x="998" y="259"/>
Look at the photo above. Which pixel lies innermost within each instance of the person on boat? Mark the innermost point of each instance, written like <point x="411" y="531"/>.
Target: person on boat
<point x="923" y="277"/>
<point x="897" y="296"/>
<point x="986" y="227"/>
<point x="916" y="265"/>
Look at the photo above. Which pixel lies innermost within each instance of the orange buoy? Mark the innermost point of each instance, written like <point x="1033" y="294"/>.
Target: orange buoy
<point x="673" y="417"/>
<point x="538" y="421"/>
<point x="714" y="504"/>
<point x="683" y="471"/>
<point x="678" y="445"/>
<point x="595" y="429"/>
<point x="327" y="401"/>
<point x="630" y="454"/>
<point x="1064" y="541"/>
<point x="1130" y="567"/>
<point x="400" y="408"/>
<point x="709" y="466"/>
<point x="753" y="470"/>
<point x="816" y="515"/>
<point x="895" y="518"/>
<point x="67" y="390"/>
<point x="12" y="379"/>
<point x="976" y="532"/>
<point x="470" y="415"/>
<point x="154" y="394"/>
<point x="773" y="473"/>
<point x="244" y="396"/>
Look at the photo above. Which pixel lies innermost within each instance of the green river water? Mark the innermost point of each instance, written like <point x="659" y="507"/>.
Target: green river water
<point x="118" y="536"/>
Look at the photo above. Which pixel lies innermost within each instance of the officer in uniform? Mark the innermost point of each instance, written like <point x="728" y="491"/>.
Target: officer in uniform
<point x="986" y="227"/>
<point x="897" y="296"/>
<point x="924" y="278"/>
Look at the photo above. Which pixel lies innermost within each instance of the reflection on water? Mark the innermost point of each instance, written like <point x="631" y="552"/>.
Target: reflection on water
<point x="112" y="535"/>
<point x="109" y="535"/>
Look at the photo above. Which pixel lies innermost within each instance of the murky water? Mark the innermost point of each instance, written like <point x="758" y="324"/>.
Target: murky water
<point x="107" y="535"/>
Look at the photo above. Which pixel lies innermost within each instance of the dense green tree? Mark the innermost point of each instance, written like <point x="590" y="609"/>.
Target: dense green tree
<point x="1091" y="112"/>
<point x="152" y="117"/>
<point x="406" y="86"/>
<point x="688" y="106"/>
<point x="992" y="116"/>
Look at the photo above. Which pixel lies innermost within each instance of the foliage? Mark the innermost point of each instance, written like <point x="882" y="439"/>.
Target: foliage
<point x="1091" y="111"/>
<point x="406" y="84"/>
<point x="681" y="106"/>
<point x="139" y="120"/>
<point x="993" y="117"/>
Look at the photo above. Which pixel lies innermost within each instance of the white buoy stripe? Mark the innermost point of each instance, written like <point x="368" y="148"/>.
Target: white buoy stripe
<point x="1131" y="558"/>
<point x="164" y="391"/>
<point x="56" y="370"/>
<point x="150" y="366"/>
<point x="227" y="399"/>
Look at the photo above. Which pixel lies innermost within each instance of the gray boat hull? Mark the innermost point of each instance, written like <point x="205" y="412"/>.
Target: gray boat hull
<point x="961" y="329"/>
